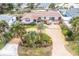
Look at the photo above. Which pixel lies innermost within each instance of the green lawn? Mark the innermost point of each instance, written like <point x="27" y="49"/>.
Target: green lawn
<point x="30" y="26"/>
<point x="1" y="45"/>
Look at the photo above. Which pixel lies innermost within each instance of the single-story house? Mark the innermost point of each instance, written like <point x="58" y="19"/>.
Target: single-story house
<point x="43" y="15"/>
<point x="8" y="18"/>
<point x="67" y="15"/>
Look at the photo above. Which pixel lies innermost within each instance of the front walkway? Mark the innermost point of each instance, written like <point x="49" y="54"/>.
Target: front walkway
<point x="10" y="48"/>
<point x="59" y="49"/>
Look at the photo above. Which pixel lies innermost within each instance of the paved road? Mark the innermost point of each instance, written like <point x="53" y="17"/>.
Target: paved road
<point x="58" y="41"/>
<point x="11" y="48"/>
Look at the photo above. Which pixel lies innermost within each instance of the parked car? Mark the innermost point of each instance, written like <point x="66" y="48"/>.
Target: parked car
<point x="48" y="22"/>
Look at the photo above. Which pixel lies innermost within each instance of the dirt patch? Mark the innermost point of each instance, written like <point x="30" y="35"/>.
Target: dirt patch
<point x="43" y="51"/>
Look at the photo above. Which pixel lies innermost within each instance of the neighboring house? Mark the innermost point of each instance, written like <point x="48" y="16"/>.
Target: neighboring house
<point x="43" y="15"/>
<point x="8" y="19"/>
<point x="72" y="11"/>
<point x="68" y="14"/>
<point x="43" y="6"/>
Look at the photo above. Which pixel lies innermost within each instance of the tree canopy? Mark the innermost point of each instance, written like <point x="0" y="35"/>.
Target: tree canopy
<point x="52" y="6"/>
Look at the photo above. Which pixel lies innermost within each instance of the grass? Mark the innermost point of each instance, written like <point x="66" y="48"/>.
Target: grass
<point x="1" y="45"/>
<point x="32" y="25"/>
<point x="73" y="48"/>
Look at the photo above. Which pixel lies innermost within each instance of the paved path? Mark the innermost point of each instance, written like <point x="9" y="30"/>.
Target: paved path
<point x="10" y="48"/>
<point x="58" y="41"/>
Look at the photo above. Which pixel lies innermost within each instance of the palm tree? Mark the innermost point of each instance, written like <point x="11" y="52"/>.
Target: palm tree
<point x="3" y="29"/>
<point x="36" y="6"/>
<point x="40" y="27"/>
<point x="17" y="29"/>
<point x="6" y="7"/>
<point x="2" y="8"/>
<point x="52" y="6"/>
<point x="10" y="6"/>
<point x="75" y="24"/>
<point x="31" y="5"/>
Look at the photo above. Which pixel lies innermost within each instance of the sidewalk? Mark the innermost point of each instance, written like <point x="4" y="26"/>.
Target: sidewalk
<point x="10" y="48"/>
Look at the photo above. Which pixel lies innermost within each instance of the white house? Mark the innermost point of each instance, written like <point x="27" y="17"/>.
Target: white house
<point x="9" y="19"/>
<point x="41" y="16"/>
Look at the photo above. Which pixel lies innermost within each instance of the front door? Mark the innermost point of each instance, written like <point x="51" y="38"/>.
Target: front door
<point x="52" y="18"/>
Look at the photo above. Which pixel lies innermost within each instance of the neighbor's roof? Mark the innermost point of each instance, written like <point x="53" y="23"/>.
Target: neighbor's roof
<point x="35" y="15"/>
<point x="6" y="17"/>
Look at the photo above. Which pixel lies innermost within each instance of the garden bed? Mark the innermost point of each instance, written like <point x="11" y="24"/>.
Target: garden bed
<point x="35" y="44"/>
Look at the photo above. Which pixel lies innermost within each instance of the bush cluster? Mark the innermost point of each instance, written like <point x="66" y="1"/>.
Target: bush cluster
<point x="34" y="39"/>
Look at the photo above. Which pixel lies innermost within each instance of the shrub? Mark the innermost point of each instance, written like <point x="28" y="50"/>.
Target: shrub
<point x="30" y="39"/>
<point x="45" y="39"/>
<point x="33" y="39"/>
<point x="41" y="27"/>
<point x="67" y="32"/>
<point x="3" y="29"/>
<point x="76" y="38"/>
<point x="28" y="10"/>
<point x="8" y="36"/>
<point x="17" y="29"/>
<point x="2" y="43"/>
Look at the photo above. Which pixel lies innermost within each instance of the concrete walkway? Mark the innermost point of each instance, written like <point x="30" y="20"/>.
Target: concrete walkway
<point x="59" y="49"/>
<point x="10" y="48"/>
